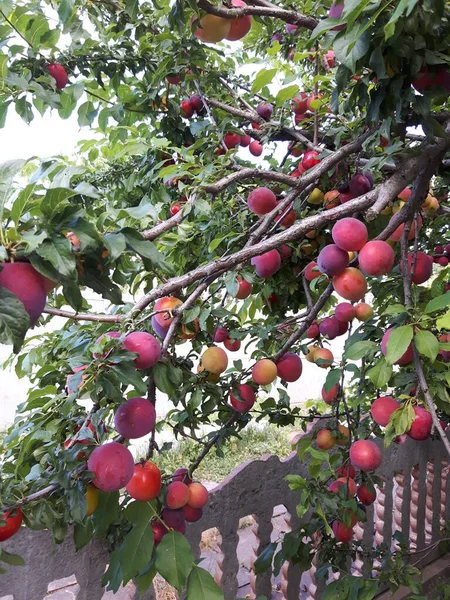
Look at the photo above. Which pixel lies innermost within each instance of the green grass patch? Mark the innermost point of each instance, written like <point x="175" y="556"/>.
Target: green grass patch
<point x="253" y="443"/>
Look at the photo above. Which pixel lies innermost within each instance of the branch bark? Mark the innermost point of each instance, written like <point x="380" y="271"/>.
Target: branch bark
<point x="289" y="16"/>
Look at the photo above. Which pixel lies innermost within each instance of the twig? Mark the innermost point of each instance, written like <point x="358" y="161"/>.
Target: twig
<point x="210" y="443"/>
<point x="309" y="300"/>
<point x="151" y="397"/>
<point x="316" y="94"/>
<point x="15" y="29"/>
<point x="49" y="310"/>
<point x="309" y="319"/>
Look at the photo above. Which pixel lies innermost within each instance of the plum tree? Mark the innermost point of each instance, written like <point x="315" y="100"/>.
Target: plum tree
<point x="365" y="455"/>
<point x="421" y="425"/>
<point x="244" y="289"/>
<point x="243" y="401"/>
<point x="382" y="409"/>
<point x="366" y="494"/>
<point x="376" y="258"/>
<point x="348" y="484"/>
<point x="325" y="439"/>
<point x="269" y="195"/>
<point x="10" y="525"/>
<point x="363" y="311"/>
<point x="331" y="395"/>
<point x="211" y="29"/>
<point x="177" y="495"/>
<point x="91" y="500"/>
<point x="264" y="371"/>
<point x="289" y="367"/>
<point x="112" y="465"/>
<point x="22" y="280"/>
<point x="261" y="201"/>
<point x="232" y="345"/>
<point x="198" y="495"/>
<point x="350" y="234"/>
<point x="350" y="284"/>
<point x="59" y="74"/>
<point x="267" y="264"/>
<point x="146" y="346"/>
<point x="214" y="360"/>
<point x="135" y="418"/>
<point x="145" y="483"/>
<point x="332" y="260"/>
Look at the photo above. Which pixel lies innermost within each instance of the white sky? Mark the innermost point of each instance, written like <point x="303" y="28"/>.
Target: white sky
<point x="45" y="136"/>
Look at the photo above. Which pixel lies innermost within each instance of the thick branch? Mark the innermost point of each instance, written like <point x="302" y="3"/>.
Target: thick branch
<point x="289" y="16"/>
<point x="166" y="225"/>
<point x="248" y="173"/>
<point x="83" y="316"/>
<point x="225" y="264"/>
<point x="304" y="326"/>
<point x="430" y="154"/>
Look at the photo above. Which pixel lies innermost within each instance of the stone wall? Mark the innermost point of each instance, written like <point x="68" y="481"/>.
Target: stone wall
<point x="250" y="508"/>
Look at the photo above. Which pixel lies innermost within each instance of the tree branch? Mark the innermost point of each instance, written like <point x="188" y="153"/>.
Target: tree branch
<point x="313" y="313"/>
<point x="49" y="310"/>
<point x="211" y="443"/>
<point x="289" y="16"/>
<point x="294" y="232"/>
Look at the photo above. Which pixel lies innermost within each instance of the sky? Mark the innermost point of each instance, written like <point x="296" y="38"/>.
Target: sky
<point x="45" y="136"/>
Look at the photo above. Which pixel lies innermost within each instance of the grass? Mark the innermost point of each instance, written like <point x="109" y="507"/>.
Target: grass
<point x="254" y="443"/>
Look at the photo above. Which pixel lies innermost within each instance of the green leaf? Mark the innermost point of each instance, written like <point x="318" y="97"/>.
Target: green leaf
<point x="380" y="374"/>
<point x="324" y="518"/>
<point x="137" y="548"/>
<point x="144" y="248"/>
<point x="8" y="170"/>
<point x="11" y="559"/>
<point x="402" y="6"/>
<point x="201" y="586"/>
<point x="262" y="78"/>
<point x="21" y="202"/>
<point x="162" y="379"/>
<point x="132" y="8"/>
<point x="352" y="45"/>
<point x="83" y="533"/>
<point x="359" y="349"/>
<point x="264" y="560"/>
<point x="337" y="590"/>
<point x="399" y="422"/>
<point x="58" y="252"/>
<point x="333" y="377"/>
<point x="116" y="244"/>
<point x="14" y="320"/>
<point x="24" y="109"/>
<point x="145" y="578"/>
<point x="438" y="303"/>
<point x="398" y="342"/>
<point x="107" y="511"/>
<point x="231" y="283"/>
<point x="53" y="198"/>
<point x="427" y="344"/>
<point x="286" y="93"/>
<point x="174" y="559"/>
<point x="395" y="309"/>
<point x="128" y="373"/>
<point x="65" y="9"/>
<point x="444" y="322"/>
